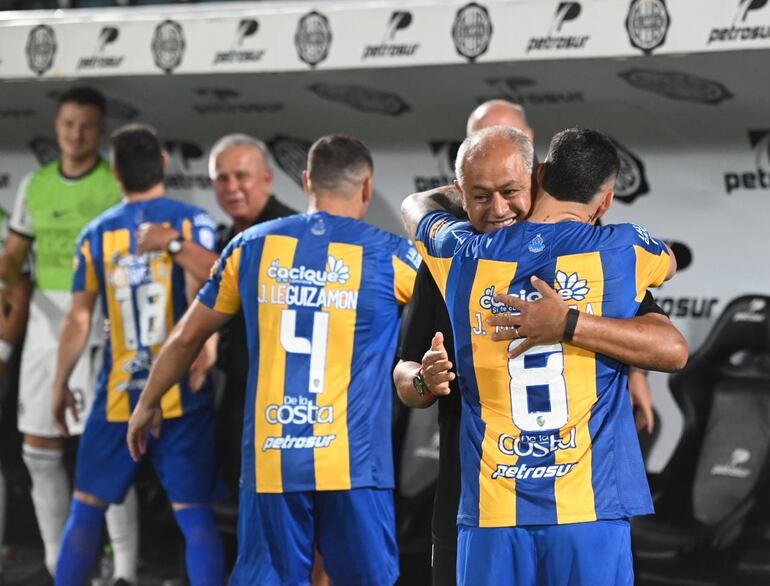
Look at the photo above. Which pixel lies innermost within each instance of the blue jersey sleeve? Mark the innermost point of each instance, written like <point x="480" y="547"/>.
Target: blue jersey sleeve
<point x="653" y="258"/>
<point x="406" y="260"/>
<point x="84" y="273"/>
<point x="438" y="234"/>
<point x="220" y="292"/>
<point x="204" y="230"/>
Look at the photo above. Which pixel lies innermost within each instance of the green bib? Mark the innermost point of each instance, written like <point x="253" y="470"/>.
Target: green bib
<point x="59" y="209"/>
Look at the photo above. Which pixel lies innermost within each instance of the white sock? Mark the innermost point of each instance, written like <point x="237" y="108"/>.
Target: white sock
<point x="123" y="528"/>
<point x="2" y="516"/>
<point x="50" y="496"/>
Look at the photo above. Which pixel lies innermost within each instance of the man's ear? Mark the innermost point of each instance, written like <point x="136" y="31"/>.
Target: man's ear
<point x="459" y="189"/>
<point x="367" y="190"/>
<point x="306" y="182"/>
<point x="604" y="205"/>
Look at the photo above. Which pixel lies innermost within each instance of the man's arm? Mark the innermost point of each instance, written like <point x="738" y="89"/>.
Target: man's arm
<point x="175" y="357"/>
<point x="418" y="205"/>
<point x="193" y="258"/>
<point x="648" y="341"/>
<point x="16" y="313"/>
<point x="12" y="261"/>
<point x="436" y="372"/>
<point x="72" y="341"/>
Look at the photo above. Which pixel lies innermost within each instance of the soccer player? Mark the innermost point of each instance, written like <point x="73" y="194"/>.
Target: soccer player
<point x="424" y="372"/>
<point x="321" y="294"/>
<point x="52" y="207"/>
<point x="551" y="467"/>
<point x="142" y="296"/>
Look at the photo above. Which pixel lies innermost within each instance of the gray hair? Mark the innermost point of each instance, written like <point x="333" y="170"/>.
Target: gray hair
<point x="234" y="140"/>
<point x="479" y="142"/>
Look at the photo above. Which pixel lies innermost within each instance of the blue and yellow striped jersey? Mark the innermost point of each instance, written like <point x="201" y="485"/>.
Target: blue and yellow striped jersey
<point x="142" y="297"/>
<point x="548" y="437"/>
<point x="321" y="298"/>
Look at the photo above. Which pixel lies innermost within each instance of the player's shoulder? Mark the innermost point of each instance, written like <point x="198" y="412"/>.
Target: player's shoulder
<point x="626" y="234"/>
<point x="110" y="219"/>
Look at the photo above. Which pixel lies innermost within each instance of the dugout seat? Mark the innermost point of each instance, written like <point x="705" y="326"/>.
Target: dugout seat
<point x="712" y="499"/>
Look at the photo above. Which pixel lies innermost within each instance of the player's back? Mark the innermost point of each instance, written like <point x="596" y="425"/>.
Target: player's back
<point x="142" y="297"/>
<point x="321" y="297"/>
<point x="549" y="436"/>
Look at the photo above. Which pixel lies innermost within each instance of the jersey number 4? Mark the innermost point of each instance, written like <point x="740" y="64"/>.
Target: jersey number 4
<point x="315" y="346"/>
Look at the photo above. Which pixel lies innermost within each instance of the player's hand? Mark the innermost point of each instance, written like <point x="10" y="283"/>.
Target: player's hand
<point x="641" y="399"/>
<point x="436" y="367"/>
<point x="62" y="400"/>
<point x="154" y="237"/>
<point x="143" y="419"/>
<point x="539" y="322"/>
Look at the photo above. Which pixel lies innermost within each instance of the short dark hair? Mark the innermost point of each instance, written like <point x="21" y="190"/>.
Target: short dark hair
<point x="137" y="155"/>
<point x="84" y="96"/>
<point x="579" y="162"/>
<point x="336" y="159"/>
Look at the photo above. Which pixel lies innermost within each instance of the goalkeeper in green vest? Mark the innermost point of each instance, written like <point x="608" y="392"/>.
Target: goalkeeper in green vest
<point x="52" y="206"/>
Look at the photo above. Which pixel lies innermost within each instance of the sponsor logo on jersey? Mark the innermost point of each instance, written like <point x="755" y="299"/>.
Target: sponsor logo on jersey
<point x="632" y="179"/>
<point x="298" y="410"/>
<point x="220" y="100"/>
<point x="168" y="45"/>
<point x="677" y="85"/>
<point x="290" y="154"/>
<point x="522" y="90"/>
<point x="472" y="31"/>
<point x="99" y="59"/>
<point x="288" y="442"/>
<point x="246" y="29"/>
<point x="535" y="446"/>
<point x="522" y="471"/>
<point x="647" y="24"/>
<point x="41" y="48"/>
<point x="744" y="25"/>
<point x="758" y="178"/>
<point x="555" y="40"/>
<point x="363" y="99"/>
<point x="313" y="38"/>
<point x="336" y="271"/>
<point x="735" y="467"/>
<point x="571" y="287"/>
<point x="400" y="20"/>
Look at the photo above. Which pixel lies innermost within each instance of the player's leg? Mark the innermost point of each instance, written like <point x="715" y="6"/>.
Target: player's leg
<point x="587" y="554"/>
<point x="104" y="472"/>
<point x="43" y="449"/>
<point x="357" y="536"/>
<point x="123" y="529"/>
<point x="184" y="458"/>
<point x="495" y="555"/>
<point x="275" y="539"/>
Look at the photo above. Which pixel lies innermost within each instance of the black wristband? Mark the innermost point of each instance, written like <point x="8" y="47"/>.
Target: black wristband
<point x="569" y="329"/>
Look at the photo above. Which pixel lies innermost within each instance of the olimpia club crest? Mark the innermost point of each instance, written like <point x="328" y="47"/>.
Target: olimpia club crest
<point x="41" y="48"/>
<point x="647" y="24"/>
<point x="168" y="45"/>
<point x="472" y="31"/>
<point x="313" y="38"/>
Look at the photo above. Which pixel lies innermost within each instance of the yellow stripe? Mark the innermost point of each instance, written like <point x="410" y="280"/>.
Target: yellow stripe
<point x="162" y="272"/>
<point x="439" y="267"/>
<point x="403" y="280"/>
<point x="91" y="284"/>
<point x="332" y="464"/>
<point x="187" y="229"/>
<point x="574" y="492"/>
<point x="272" y="362"/>
<point x="651" y="270"/>
<point x="497" y="496"/>
<point x="118" y="406"/>
<point x="228" y="297"/>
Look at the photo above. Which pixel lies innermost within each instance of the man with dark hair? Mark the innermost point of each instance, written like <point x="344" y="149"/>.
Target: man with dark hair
<point x="322" y="303"/>
<point x="142" y="297"/>
<point x="52" y="206"/>
<point x="550" y="462"/>
<point x="425" y="372"/>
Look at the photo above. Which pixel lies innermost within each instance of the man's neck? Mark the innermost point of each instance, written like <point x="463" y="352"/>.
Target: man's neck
<point x="549" y="210"/>
<point x="154" y="192"/>
<point x="334" y="206"/>
<point x="240" y="224"/>
<point x="77" y="167"/>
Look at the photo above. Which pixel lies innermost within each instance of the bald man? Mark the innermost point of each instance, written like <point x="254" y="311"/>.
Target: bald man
<point x="424" y="373"/>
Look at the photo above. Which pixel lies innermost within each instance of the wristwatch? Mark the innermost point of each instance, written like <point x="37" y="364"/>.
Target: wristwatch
<point x="421" y="386"/>
<point x="175" y="245"/>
